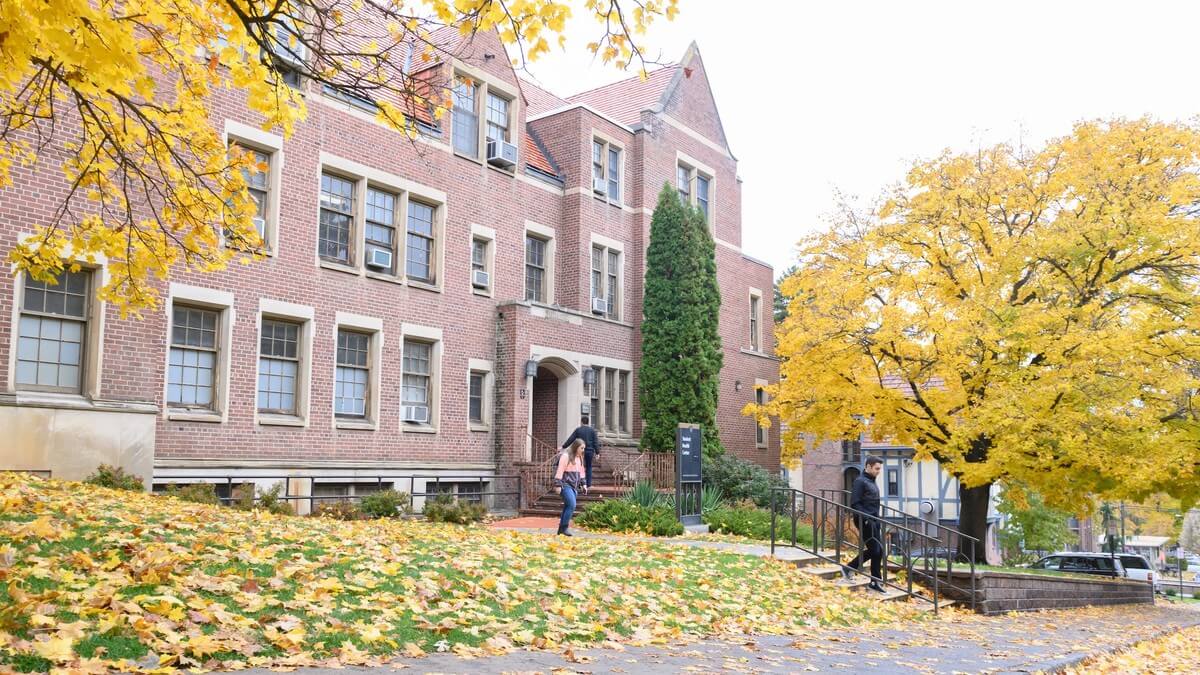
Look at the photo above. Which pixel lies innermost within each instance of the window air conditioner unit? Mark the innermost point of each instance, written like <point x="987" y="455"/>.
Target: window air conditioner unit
<point x="380" y="258"/>
<point x="415" y="413"/>
<point x="599" y="185"/>
<point x="599" y="306"/>
<point x="500" y="153"/>
<point x="480" y="279"/>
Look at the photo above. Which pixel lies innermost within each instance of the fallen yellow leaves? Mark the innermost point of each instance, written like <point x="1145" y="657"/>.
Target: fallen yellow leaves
<point x="140" y="582"/>
<point x="1172" y="653"/>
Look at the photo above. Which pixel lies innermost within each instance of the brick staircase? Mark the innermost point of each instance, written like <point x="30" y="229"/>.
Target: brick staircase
<point x="603" y="487"/>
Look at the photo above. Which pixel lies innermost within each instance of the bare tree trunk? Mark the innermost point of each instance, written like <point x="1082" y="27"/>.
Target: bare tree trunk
<point x="973" y="505"/>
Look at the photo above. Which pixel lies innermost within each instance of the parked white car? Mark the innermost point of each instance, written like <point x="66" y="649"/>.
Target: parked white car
<point x="1137" y="567"/>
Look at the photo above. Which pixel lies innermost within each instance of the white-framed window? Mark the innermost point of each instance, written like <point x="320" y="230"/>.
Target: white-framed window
<point x="193" y="373"/>
<point x="483" y="110"/>
<point x="420" y="261"/>
<point x="465" y="128"/>
<point x="536" y="265"/>
<point x="609" y="401"/>
<point x="288" y="50"/>
<point x="352" y="374"/>
<point x="265" y="183"/>
<point x="606" y="274"/>
<point x="279" y="367"/>
<point x="335" y="235"/>
<point x="358" y="353"/>
<point x="694" y="182"/>
<point x="606" y="169"/>
<point x="199" y="332"/>
<point x="398" y="225"/>
<point x="380" y="234"/>
<point x="483" y="260"/>
<point x="53" y="333"/>
<point x="756" y="320"/>
<point x="420" y="378"/>
<point x="479" y="395"/>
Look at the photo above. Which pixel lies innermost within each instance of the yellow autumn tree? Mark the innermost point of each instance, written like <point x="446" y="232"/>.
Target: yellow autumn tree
<point x="1018" y="314"/>
<point x="117" y="93"/>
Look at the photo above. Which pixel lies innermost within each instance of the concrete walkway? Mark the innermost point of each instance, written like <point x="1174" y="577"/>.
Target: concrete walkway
<point x="1025" y="643"/>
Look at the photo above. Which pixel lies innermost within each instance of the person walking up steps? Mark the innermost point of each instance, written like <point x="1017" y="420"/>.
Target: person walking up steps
<point x="864" y="499"/>
<point x="566" y="482"/>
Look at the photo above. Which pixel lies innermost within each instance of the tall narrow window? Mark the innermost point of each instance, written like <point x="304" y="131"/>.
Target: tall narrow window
<point x="381" y="230"/>
<point x="258" y="183"/>
<point x="278" y="367"/>
<point x="337" y="218"/>
<point x="466" y="117"/>
<point x="610" y="395"/>
<point x="479" y="255"/>
<point x="497" y="117"/>
<point x="353" y="374"/>
<point x="598" y="181"/>
<point x="595" y="397"/>
<point x="893" y="482"/>
<point x="191" y="374"/>
<point x="683" y="181"/>
<point x="614" y="266"/>
<point x="535" y="269"/>
<point x="416" y="382"/>
<point x="420" y="242"/>
<point x="475" y="398"/>
<point x="623" y="401"/>
<point x="702" y="195"/>
<point x="614" y="174"/>
<point x="760" y="432"/>
<point x="755" y="342"/>
<point x="597" y="272"/>
<point x="52" y="333"/>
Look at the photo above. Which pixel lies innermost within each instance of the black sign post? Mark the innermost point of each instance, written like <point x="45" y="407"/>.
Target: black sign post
<point x="687" y="473"/>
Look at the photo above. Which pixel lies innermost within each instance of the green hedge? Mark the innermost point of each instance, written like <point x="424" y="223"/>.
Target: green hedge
<point x="620" y="515"/>
<point x="738" y="479"/>
<point x="755" y="524"/>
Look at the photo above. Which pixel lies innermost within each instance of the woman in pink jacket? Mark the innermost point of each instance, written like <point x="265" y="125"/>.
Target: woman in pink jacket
<point x="566" y="481"/>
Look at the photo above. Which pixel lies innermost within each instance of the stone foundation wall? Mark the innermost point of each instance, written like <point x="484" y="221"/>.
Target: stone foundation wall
<point x="999" y="592"/>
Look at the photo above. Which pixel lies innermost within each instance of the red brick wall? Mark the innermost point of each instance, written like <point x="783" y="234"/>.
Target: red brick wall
<point x="500" y="329"/>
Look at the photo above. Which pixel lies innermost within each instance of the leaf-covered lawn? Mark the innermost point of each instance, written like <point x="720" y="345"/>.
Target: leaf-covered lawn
<point x="99" y="579"/>
<point x="1174" y="652"/>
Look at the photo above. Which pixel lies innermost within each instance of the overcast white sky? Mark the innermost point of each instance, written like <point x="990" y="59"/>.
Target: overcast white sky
<point x="824" y="96"/>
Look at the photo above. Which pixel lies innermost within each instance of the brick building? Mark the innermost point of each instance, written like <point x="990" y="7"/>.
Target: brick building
<point x="425" y="307"/>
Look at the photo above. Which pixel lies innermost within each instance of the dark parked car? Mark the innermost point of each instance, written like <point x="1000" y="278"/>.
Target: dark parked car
<point x="1101" y="564"/>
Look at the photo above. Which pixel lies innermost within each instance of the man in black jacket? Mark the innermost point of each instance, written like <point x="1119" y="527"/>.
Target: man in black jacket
<point x="864" y="499"/>
<point x="591" y="446"/>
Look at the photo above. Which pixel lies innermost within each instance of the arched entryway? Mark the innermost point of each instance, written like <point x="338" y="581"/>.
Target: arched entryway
<point x="555" y="395"/>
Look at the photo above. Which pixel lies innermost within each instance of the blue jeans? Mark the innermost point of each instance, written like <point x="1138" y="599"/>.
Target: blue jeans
<point x="568" y="497"/>
<point x="588" y="458"/>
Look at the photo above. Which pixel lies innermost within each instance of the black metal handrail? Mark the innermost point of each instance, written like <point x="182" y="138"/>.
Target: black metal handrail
<point x="821" y="509"/>
<point x="952" y="537"/>
<point x="378" y="480"/>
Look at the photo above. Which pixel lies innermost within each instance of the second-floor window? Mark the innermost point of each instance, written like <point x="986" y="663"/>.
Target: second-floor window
<point x="497" y="117"/>
<point x="760" y="432"/>
<point x="381" y="231"/>
<point x="417" y="382"/>
<point x="420" y="242"/>
<point x="192" y="370"/>
<point x="535" y="268"/>
<point x="337" y="219"/>
<point x="606" y="170"/>
<point x="683" y="183"/>
<point x="606" y="268"/>
<point x="353" y="375"/>
<point x="695" y="188"/>
<point x="609" y="401"/>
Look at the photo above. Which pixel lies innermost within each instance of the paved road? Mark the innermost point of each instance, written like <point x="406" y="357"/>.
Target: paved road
<point x="952" y="644"/>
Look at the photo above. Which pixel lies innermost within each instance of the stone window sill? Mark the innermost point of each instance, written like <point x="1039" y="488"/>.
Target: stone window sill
<point x="758" y="353"/>
<point x="482" y="428"/>
<point x="33" y="399"/>
<point x="482" y="292"/>
<point x="392" y="279"/>
<point x="424" y="286"/>
<point x="338" y="267"/>
<point x="281" y="421"/>
<point x="418" y="428"/>
<point x="193" y="416"/>
<point x="359" y="425"/>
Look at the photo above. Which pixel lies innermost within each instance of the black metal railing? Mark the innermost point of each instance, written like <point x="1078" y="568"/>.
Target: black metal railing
<point x="950" y="548"/>
<point x="393" y="481"/>
<point x="828" y="520"/>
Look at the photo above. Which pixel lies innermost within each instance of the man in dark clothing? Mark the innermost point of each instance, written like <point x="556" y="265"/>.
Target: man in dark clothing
<point x="864" y="499"/>
<point x="591" y="446"/>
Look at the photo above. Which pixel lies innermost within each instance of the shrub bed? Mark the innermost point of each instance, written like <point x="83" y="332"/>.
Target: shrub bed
<point x="621" y="515"/>
<point x="755" y="523"/>
<point x="447" y="509"/>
